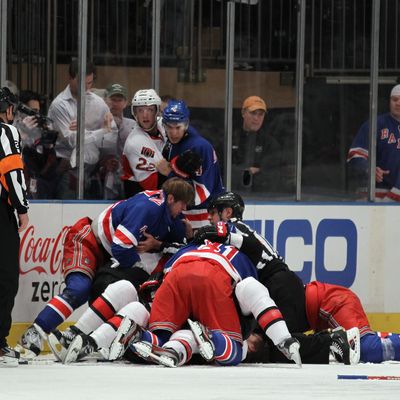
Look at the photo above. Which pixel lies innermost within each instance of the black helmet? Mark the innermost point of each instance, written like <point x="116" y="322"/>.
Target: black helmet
<point x="7" y="99"/>
<point x="228" y="199"/>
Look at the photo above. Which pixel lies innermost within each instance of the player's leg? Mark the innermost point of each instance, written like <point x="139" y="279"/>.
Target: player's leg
<point x="380" y="346"/>
<point x="254" y="298"/>
<point x="57" y="311"/>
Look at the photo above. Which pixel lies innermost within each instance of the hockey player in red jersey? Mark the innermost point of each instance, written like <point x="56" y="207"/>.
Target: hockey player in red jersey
<point x="143" y="147"/>
<point x="330" y="306"/>
<point x="111" y="241"/>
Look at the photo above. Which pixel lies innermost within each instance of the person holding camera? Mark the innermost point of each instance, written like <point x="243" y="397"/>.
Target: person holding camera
<point x="12" y="198"/>
<point x="38" y="140"/>
<point x="255" y="154"/>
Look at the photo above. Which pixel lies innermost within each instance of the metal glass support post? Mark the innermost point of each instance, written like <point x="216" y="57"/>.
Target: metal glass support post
<point x="230" y="43"/>
<point x="82" y="59"/>
<point x="3" y="42"/>
<point x="373" y="98"/>
<point x="155" y="47"/>
<point x="301" y="29"/>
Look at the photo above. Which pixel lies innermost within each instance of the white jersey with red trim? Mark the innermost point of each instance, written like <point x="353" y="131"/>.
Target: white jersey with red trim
<point x="141" y="152"/>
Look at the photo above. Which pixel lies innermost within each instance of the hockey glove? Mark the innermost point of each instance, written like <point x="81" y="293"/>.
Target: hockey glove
<point x="187" y="164"/>
<point x="218" y="233"/>
<point x="147" y="290"/>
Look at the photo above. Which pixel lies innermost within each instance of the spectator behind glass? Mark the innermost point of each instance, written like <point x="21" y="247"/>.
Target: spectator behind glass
<point x="100" y="133"/>
<point x="165" y="99"/>
<point x="256" y="156"/>
<point x="387" y="175"/>
<point x="38" y="141"/>
<point x="117" y="100"/>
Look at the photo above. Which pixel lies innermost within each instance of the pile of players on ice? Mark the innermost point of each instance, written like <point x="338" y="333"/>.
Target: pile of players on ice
<point x="162" y="292"/>
<point x="212" y="298"/>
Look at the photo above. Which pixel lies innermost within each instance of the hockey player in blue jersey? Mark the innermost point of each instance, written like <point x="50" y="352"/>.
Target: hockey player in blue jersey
<point x="100" y="252"/>
<point x="190" y="156"/>
<point x="387" y="153"/>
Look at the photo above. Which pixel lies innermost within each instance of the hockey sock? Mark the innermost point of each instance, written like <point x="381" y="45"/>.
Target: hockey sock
<point x="227" y="351"/>
<point x="184" y="344"/>
<point x="115" y="296"/>
<point x="254" y="298"/>
<point x="60" y="307"/>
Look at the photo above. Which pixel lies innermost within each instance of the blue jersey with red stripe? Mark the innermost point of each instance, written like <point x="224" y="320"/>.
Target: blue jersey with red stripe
<point x="208" y="182"/>
<point x="237" y="264"/>
<point x="121" y="226"/>
<point x="387" y="152"/>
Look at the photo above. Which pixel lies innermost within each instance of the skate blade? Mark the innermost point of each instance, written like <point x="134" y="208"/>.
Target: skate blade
<point x="206" y="349"/>
<point x="144" y="350"/>
<point x="56" y="347"/>
<point x="73" y="350"/>
<point x="117" y="348"/>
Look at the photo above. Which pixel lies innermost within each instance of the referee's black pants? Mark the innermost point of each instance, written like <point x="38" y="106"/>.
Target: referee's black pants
<point x="9" y="267"/>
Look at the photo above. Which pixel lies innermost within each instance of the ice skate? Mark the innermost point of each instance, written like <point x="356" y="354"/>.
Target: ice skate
<point x="128" y="332"/>
<point x="82" y="346"/>
<point x="203" y="338"/>
<point x="31" y="342"/>
<point x="158" y="355"/>
<point x="59" y="341"/>
<point x="9" y="357"/>
<point x="345" y="345"/>
<point x="290" y="348"/>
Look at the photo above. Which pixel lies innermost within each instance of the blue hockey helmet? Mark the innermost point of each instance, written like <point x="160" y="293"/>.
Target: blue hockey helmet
<point x="176" y="111"/>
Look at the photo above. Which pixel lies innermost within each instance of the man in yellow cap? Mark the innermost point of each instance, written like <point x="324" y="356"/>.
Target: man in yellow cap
<point x="256" y="156"/>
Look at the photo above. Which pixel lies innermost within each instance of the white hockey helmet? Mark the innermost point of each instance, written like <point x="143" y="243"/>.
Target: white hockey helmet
<point x="145" y="97"/>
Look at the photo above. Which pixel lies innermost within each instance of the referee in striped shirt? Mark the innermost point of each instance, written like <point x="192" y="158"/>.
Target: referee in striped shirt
<point x="12" y="198"/>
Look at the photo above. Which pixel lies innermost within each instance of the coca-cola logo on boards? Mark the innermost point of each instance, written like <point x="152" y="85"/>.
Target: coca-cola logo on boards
<point x="42" y="254"/>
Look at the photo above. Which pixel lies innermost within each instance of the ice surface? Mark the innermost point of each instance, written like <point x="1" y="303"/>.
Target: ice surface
<point x="90" y="380"/>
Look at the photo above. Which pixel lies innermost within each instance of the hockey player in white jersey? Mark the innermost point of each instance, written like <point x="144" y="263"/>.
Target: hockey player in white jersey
<point x="143" y="147"/>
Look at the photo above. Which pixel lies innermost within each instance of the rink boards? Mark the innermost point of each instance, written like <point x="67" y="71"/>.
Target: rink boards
<point x="347" y="244"/>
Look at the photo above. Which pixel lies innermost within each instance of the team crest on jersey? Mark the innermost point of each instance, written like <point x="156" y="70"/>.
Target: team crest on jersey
<point x="147" y="152"/>
<point x="392" y="139"/>
<point x="384" y="133"/>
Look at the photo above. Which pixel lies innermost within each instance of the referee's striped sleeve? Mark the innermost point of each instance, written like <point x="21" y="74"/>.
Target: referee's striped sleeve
<point x="12" y="181"/>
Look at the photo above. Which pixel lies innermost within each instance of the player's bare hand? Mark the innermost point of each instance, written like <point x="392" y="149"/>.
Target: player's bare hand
<point x="149" y="244"/>
<point x="254" y="342"/>
<point x="380" y="173"/>
<point x="188" y="229"/>
<point x="163" y="167"/>
<point x="23" y="222"/>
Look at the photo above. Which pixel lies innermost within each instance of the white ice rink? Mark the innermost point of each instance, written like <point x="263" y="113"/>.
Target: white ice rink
<point x="88" y="380"/>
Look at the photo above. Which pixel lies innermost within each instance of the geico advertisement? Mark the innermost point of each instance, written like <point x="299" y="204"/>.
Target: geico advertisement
<point x="353" y="246"/>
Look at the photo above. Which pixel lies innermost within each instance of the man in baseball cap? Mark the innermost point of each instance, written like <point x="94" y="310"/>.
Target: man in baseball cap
<point x="255" y="153"/>
<point x="117" y="89"/>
